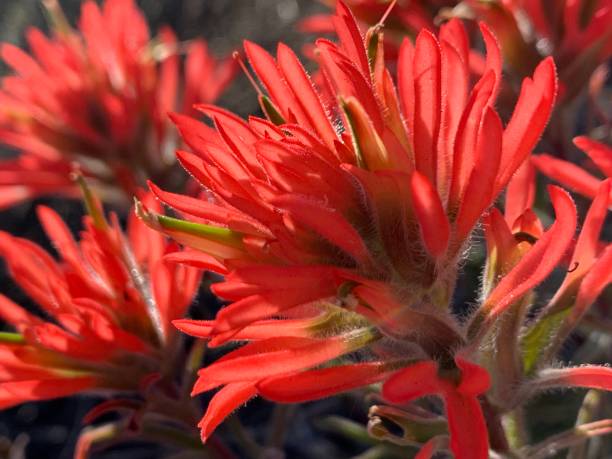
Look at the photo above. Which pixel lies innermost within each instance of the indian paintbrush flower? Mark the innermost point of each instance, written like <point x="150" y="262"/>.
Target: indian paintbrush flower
<point x="99" y="96"/>
<point x="105" y="312"/>
<point x="340" y="222"/>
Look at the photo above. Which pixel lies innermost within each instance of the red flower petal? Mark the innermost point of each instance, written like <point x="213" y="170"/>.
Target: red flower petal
<point x="413" y="382"/>
<point x="435" y="228"/>
<point x="320" y="383"/>
<point x="540" y="260"/>
<point x="469" y="438"/>
<point x="223" y="403"/>
<point x="273" y="356"/>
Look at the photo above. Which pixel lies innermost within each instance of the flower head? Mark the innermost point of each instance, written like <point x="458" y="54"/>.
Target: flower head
<point x="98" y="96"/>
<point x="575" y="32"/>
<point x="340" y="221"/>
<point x="105" y="309"/>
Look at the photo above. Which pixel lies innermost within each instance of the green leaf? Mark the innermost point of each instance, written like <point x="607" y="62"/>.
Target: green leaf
<point x="209" y="232"/>
<point x="535" y="342"/>
<point x="271" y="111"/>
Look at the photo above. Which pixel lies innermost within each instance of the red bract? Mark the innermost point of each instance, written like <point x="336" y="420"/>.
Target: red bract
<point x="467" y="425"/>
<point x="106" y="309"/>
<point x="340" y="222"/>
<point x="99" y="96"/>
<point x="575" y="177"/>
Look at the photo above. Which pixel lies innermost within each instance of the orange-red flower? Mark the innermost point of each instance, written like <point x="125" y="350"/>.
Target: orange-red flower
<point x="406" y="16"/>
<point x="105" y="309"/>
<point x="576" y="32"/>
<point x="340" y="221"/>
<point x="99" y="96"/>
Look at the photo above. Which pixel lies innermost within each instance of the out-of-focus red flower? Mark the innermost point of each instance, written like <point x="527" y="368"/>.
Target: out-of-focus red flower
<point x="574" y="177"/>
<point x="99" y="96"/>
<point x="408" y="16"/>
<point x="340" y="221"/>
<point x="105" y="309"/>
<point x="575" y="32"/>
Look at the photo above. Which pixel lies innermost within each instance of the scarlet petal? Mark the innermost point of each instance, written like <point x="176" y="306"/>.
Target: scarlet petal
<point x="598" y="278"/>
<point x="529" y="119"/>
<point x="196" y="260"/>
<point x="328" y="223"/>
<point x="587" y="376"/>
<point x="197" y="328"/>
<point x="284" y="355"/>
<point x="588" y="243"/>
<point x="540" y="260"/>
<point x="15" y="314"/>
<point x="260" y="330"/>
<point x="435" y="228"/>
<point x="413" y="382"/>
<point x="464" y="153"/>
<point x="520" y="192"/>
<point x="469" y="438"/>
<point x="482" y="179"/>
<point x="494" y="57"/>
<point x="223" y="403"/>
<point x="427" y="98"/>
<point x="432" y="446"/>
<point x="405" y="77"/>
<point x="475" y="380"/>
<point x="16" y="392"/>
<point x="350" y="37"/>
<point x="268" y="72"/>
<point x="267" y="302"/>
<point x="320" y="383"/>
<point x="301" y="85"/>
<point x="600" y="154"/>
<point x="568" y="174"/>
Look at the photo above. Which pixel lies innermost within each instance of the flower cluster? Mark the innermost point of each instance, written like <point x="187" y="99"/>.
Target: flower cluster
<point x="105" y="311"/>
<point x="339" y="222"/>
<point x="99" y="97"/>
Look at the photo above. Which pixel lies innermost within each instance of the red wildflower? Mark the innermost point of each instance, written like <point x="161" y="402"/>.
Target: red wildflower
<point x="98" y="96"/>
<point x="106" y="309"/>
<point x="406" y="16"/>
<point x="341" y="226"/>
<point x="576" y="32"/>
<point x="574" y="177"/>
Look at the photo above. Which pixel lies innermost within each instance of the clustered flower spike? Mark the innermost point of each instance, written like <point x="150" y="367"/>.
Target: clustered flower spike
<point x="99" y="96"/>
<point x="106" y="309"/>
<point x="340" y="220"/>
